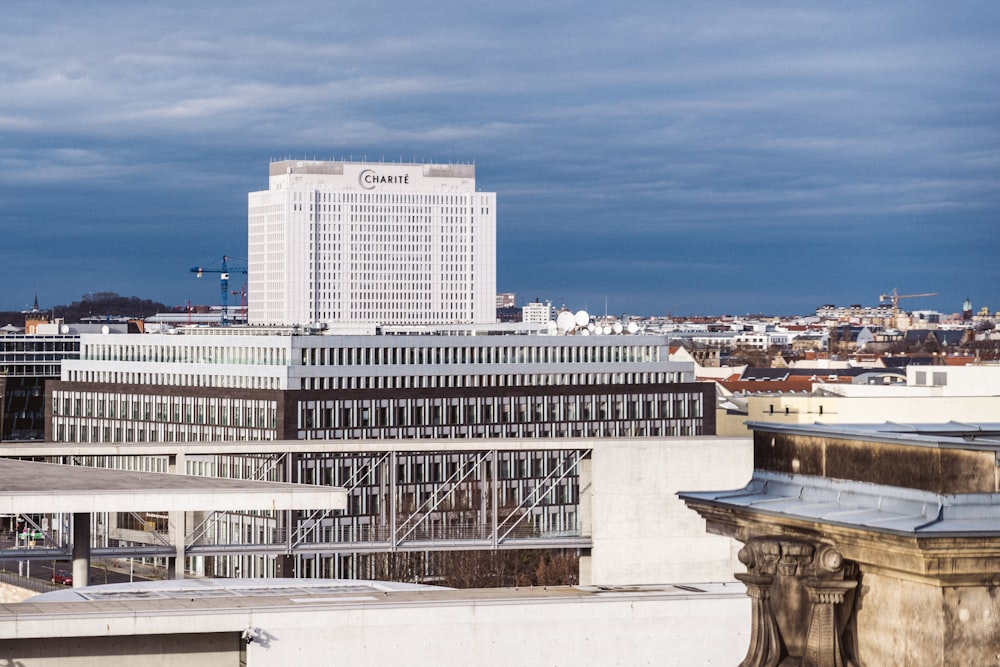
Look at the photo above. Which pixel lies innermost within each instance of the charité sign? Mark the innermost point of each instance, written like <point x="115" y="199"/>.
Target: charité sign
<point x="369" y="178"/>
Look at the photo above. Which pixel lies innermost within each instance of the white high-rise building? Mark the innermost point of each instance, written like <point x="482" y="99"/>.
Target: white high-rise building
<point x="371" y="242"/>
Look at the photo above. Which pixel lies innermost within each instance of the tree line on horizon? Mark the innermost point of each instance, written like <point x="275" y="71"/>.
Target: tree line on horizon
<point x="94" y="304"/>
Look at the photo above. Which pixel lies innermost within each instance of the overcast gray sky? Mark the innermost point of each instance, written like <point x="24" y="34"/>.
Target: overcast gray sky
<point x="652" y="156"/>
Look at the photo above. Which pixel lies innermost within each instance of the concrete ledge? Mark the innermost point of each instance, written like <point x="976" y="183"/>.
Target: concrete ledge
<point x="31" y="487"/>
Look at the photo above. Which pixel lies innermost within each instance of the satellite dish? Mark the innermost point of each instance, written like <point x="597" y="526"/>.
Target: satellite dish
<point x="582" y="318"/>
<point x="64" y="329"/>
<point x="584" y="333"/>
<point x="104" y="330"/>
<point x="565" y="321"/>
<point x="632" y="327"/>
<point x="551" y="327"/>
<point x="617" y="327"/>
<point x="607" y="330"/>
<point x="590" y="327"/>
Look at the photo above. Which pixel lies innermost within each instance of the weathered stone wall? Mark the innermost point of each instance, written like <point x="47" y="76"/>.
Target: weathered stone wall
<point x="939" y="470"/>
<point x="972" y="625"/>
<point x="899" y="622"/>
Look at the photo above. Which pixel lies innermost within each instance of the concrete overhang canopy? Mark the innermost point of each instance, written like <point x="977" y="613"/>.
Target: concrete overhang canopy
<point x="29" y="488"/>
<point x="268" y="447"/>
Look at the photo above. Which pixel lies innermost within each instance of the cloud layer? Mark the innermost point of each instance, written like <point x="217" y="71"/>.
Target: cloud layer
<point x="660" y="157"/>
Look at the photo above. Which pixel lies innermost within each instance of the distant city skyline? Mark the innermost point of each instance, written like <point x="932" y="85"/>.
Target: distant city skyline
<point x="659" y="157"/>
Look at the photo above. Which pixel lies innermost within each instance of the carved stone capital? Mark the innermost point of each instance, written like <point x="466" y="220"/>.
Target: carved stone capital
<point x="797" y="586"/>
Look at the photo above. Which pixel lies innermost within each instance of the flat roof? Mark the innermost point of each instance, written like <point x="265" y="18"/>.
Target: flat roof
<point x="861" y="505"/>
<point x="30" y="487"/>
<point x="227" y="605"/>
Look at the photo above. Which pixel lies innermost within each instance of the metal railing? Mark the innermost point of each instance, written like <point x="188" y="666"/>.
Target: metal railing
<point x="27" y="583"/>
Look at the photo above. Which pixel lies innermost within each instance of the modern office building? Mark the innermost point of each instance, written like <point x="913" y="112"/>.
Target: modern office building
<point x="372" y="242"/>
<point x="191" y="387"/>
<point x="222" y="385"/>
<point x="26" y="362"/>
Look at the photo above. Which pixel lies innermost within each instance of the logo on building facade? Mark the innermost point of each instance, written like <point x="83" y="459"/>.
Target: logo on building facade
<point x="368" y="179"/>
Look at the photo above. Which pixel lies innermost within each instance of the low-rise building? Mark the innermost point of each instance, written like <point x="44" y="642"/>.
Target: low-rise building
<point x="537" y="312"/>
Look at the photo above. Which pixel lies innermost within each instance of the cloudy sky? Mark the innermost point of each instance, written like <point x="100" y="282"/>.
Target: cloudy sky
<point x="648" y="157"/>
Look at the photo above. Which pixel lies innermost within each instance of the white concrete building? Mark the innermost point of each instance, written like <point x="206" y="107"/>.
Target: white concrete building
<point x="655" y="588"/>
<point x="537" y="312"/>
<point x="348" y="242"/>
<point x="370" y="624"/>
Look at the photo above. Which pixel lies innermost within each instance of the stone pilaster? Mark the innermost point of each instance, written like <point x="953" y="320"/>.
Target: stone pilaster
<point x="765" y="640"/>
<point x="823" y="647"/>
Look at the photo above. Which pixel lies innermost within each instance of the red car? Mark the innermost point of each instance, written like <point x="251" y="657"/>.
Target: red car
<point x="62" y="577"/>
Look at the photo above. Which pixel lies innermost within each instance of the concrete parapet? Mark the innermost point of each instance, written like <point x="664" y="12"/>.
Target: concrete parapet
<point x="642" y="532"/>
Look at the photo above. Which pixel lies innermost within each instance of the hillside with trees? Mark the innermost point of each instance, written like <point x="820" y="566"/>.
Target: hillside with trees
<point x="95" y="304"/>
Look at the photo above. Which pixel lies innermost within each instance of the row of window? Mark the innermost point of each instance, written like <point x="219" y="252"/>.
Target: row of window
<point x="370" y="198"/>
<point x="232" y="381"/>
<point x="480" y="354"/>
<point x="495" y="410"/>
<point x="675" y="428"/>
<point x="250" y="354"/>
<point x="69" y="429"/>
<point x="183" y="353"/>
<point x="45" y="369"/>
<point x="175" y="409"/>
<point x="496" y="380"/>
<point x="38" y="344"/>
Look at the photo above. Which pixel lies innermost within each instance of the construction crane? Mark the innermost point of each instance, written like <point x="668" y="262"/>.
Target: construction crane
<point x="895" y="297"/>
<point x="224" y="280"/>
<point x="242" y="293"/>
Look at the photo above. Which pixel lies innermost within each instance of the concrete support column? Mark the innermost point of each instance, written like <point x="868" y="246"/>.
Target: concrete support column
<point x="494" y="491"/>
<point x="393" y="506"/>
<point x="286" y="521"/>
<point x="175" y="564"/>
<point x="585" y="473"/>
<point x="81" y="550"/>
<point x="177" y="463"/>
